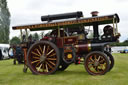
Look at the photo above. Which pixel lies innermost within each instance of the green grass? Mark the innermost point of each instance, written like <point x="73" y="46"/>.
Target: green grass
<point x="75" y="75"/>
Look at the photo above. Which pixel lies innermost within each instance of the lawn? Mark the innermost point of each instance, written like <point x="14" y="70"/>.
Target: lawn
<point x="75" y="75"/>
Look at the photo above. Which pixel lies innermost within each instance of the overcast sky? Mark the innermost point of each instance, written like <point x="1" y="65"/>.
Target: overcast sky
<point x="30" y="11"/>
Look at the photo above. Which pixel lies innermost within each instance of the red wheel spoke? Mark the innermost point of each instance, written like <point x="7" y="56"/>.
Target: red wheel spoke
<point x="44" y="49"/>
<point x="99" y="70"/>
<point x="37" y="64"/>
<point x="40" y="49"/>
<point x="91" y="59"/>
<point x="49" y="65"/>
<point x="47" y="49"/>
<point x="52" y="63"/>
<point x="95" y="57"/>
<point x="39" y="67"/>
<point x="96" y="68"/>
<point x="98" y="58"/>
<point x="54" y="59"/>
<point x="35" y="61"/>
<point x="46" y="67"/>
<point x="35" y="53"/>
<point x="38" y="52"/>
<point x="102" y="66"/>
<point x="36" y="58"/>
<point x="101" y="61"/>
<point x="91" y="63"/>
<point x="50" y="52"/>
<point x="52" y="55"/>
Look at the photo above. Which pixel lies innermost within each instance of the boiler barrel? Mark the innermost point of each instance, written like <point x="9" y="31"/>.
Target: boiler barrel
<point x="77" y="14"/>
<point x="87" y="47"/>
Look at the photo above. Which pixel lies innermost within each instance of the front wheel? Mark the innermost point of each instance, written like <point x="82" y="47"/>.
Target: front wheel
<point x="111" y="59"/>
<point x="43" y="58"/>
<point x="96" y="63"/>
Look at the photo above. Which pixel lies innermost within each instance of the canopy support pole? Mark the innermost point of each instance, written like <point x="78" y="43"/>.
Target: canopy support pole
<point x="21" y="35"/>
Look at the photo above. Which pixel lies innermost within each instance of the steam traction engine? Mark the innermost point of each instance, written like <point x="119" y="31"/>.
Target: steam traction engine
<point x="68" y="42"/>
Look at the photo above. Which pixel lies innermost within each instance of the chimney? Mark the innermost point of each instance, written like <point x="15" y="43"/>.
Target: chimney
<point x="94" y="13"/>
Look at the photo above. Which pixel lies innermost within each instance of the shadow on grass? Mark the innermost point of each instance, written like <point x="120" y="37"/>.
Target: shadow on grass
<point x="71" y="72"/>
<point x="62" y="73"/>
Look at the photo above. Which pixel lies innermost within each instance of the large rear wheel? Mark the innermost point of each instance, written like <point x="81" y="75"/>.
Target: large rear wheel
<point x="43" y="58"/>
<point x="96" y="63"/>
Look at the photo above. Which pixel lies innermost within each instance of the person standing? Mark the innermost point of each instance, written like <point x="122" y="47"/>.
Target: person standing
<point x="108" y="48"/>
<point x="1" y="56"/>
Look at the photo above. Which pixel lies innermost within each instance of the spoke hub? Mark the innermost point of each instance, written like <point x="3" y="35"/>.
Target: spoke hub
<point x="96" y="63"/>
<point x="42" y="58"/>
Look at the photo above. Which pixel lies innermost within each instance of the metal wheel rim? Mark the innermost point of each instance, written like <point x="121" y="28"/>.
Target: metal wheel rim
<point x="43" y="58"/>
<point x="96" y="64"/>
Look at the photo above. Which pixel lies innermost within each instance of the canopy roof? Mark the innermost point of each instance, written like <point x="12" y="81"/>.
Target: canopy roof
<point x="107" y="19"/>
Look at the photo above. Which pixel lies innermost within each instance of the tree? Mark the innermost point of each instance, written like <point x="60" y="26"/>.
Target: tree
<point x="90" y="34"/>
<point x="35" y="36"/>
<point x="124" y="43"/>
<point x="41" y="34"/>
<point x="15" y="40"/>
<point x="4" y="22"/>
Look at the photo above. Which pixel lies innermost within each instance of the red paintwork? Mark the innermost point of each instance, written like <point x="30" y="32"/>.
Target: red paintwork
<point x="70" y="40"/>
<point x="82" y="48"/>
<point x="59" y="42"/>
<point x="45" y="38"/>
<point x="25" y="55"/>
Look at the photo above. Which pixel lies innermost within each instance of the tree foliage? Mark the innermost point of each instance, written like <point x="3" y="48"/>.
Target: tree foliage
<point x="35" y="36"/>
<point x="15" y="40"/>
<point x="4" y="22"/>
<point x="124" y="43"/>
<point x="41" y="34"/>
